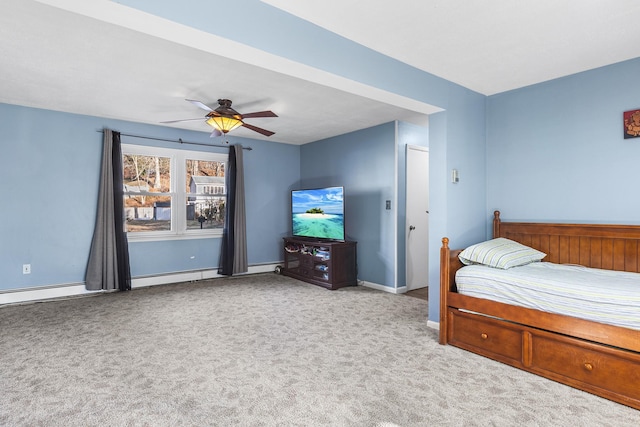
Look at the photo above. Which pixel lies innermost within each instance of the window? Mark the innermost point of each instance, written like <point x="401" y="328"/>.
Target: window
<point x="204" y="211"/>
<point x="172" y="194"/>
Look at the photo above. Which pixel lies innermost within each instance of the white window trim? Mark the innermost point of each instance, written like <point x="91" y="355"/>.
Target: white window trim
<point x="178" y="192"/>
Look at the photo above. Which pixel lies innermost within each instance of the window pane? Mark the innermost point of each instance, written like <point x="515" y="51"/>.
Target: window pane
<point x="205" y="194"/>
<point x="205" y="177"/>
<point x="146" y="173"/>
<point x="147" y="213"/>
<point x="145" y="179"/>
<point x="205" y="212"/>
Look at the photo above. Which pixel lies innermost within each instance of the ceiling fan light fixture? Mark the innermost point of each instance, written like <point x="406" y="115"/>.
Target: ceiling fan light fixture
<point x="224" y="119"/>
<point x="224" y="124"/>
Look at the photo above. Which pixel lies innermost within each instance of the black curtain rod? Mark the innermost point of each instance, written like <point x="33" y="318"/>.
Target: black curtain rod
<point x="179" y="140"/>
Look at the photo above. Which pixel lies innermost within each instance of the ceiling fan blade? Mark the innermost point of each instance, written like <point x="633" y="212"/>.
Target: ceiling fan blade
<point x="259" y="114"/>
<point x="199" y="104"/>
<point x="183" y="120"/>
<point x="257" y="129"/>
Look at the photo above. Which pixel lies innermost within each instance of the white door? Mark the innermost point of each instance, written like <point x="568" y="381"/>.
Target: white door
<point x="417" y="226"/>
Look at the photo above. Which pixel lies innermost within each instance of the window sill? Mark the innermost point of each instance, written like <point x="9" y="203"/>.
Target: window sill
<point x="157" y="237"/>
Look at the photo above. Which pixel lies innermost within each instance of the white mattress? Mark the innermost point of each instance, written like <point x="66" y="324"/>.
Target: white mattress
<point x="605" y="296"/>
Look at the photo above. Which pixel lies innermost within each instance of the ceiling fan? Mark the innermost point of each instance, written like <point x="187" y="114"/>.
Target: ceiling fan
<point x="224" y="118"/>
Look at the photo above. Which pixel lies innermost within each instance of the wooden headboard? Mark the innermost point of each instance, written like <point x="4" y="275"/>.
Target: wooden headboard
<point x="606" y="246"/>
<point x="611" y="247"/>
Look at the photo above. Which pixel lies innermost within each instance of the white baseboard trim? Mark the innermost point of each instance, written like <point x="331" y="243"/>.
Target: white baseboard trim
<point x="378" y="287"/>
<point x="191" y="276"/>
<point x="44" y="293"/>
<point x="433" y="325"/>
<point x="26" y="295"/>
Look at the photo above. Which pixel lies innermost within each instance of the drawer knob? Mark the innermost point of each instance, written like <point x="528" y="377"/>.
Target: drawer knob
<point x="484" y="336"/>
<point x="588" y="366"/>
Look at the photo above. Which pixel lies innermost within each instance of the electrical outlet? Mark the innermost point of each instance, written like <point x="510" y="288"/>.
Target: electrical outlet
<point x="26" y="268"/>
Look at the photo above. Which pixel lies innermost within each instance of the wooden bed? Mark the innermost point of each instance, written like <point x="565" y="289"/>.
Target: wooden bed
<point x="594" y="357"/>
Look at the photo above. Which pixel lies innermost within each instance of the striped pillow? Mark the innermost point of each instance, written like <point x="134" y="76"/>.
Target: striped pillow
<point x="500" y="253"/>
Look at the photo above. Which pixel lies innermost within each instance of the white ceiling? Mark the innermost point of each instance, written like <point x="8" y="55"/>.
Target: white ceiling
<point x="100" y="58"/>
<point x="489" y="46"/>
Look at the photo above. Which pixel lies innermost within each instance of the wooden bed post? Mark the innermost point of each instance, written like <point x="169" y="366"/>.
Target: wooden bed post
<point x="496" y="224"/>
<point x="444" y="288"/>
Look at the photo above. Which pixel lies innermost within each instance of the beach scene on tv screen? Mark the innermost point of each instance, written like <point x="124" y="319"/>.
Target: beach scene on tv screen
<point x="318" y="213"/>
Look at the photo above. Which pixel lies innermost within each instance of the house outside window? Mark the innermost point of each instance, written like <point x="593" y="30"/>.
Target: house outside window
<point x="158" y="181"/>
<point x="207" y="198"/>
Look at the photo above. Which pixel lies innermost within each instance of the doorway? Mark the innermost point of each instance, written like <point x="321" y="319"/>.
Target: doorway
<point x="417" y="224"/>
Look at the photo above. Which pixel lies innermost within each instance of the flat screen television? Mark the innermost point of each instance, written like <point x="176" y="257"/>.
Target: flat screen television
<point x="318" y="213"/>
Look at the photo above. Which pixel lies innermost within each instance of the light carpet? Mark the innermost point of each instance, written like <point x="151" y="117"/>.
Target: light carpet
<point x="263" y="350"/>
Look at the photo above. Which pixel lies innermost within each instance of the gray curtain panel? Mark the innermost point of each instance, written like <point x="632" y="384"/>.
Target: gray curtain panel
<point x="233" y="256"/>
<point x="108" y="266"/>
<point x="240" y="263"/>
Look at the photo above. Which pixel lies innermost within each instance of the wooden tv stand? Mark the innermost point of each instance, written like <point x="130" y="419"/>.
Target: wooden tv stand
<point x="328" y="264"/>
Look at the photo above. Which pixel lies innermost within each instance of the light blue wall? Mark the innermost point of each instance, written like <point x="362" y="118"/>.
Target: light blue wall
<point x="277" y="172"/>
<point x="460" y="136"/>
<point x="49" y="174"/>
<point x="371" y="164"/>
<point x="362" y="162"/>
<point x="556" y="150"/>
<point x="459" y="212"/>
<point x="438" y="197"/>
<point x="48" y="179"/>
<point x="552" y="151"/>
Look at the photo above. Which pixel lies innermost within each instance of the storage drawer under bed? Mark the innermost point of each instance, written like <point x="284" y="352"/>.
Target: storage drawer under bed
<point x="607" y="371"/>
<point x="486" y="336"/>
<point x="593" y="365"/>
